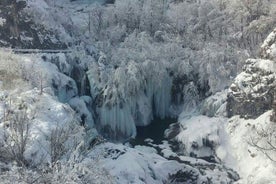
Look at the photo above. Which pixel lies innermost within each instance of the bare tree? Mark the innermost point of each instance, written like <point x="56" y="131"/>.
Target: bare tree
<point x="265" y="141"/>
<point x="57" y="138"/>
<point x="95" y="21"/>
<point x="273" y="115"/>
<point x="17" y="136"/>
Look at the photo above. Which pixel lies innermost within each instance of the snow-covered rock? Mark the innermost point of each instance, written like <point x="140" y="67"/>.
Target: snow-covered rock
<point x="47" y="75"/>
<point x="83" y="113"/>
<point x="215" y="105"/>
<point x="268" y="49"/>
<point x="129" y="165"/>
<point x="252" y="92"/>
<point x="200" y="135"/>
<point x="2" y="21"/>
<point x="20" y="30"/>
<point x="45" y="115"/>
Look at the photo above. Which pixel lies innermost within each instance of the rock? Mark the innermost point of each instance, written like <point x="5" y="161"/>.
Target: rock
<point x="19" y="31"/>
<point x="132" y="165"/>
<point x="268" y="49"/>
<point x="252" y="92"/>
<point x="173" y="131"/>
<point x="273" y="116"/>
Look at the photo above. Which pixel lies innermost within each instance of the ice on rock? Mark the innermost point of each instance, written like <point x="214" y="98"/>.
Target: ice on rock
<point x="47" y="74"/>
<point x="60" y="60"/>
<point x="215" y="105"/>
<point x="117" y="122"/>
<point x="162" y="97"/>
<point x="84" y="115"/>
<point x="129" y="95"/>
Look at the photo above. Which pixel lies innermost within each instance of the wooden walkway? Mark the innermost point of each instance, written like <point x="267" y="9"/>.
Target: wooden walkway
<point x="35" y="51"/>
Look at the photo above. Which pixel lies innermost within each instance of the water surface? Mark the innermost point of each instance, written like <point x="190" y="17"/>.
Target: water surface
<point x="155" y="131"/>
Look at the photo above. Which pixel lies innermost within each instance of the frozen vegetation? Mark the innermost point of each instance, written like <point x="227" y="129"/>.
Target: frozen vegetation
<point x="71" y="117"/>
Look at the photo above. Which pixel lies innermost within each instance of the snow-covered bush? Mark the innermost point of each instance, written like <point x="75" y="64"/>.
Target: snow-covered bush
<point x="71" y="171"/>
<point x="10" y="70"/>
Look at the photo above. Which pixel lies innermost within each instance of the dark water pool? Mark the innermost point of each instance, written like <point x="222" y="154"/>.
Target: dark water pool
<point x="155" y="131"/>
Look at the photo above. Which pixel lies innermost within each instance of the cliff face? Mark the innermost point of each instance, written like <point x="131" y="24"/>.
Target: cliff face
<point x="268" y="49"/>
<point x="17" y="30"/>
<point x="253" y="90"/>
<point x="273" y="116"/>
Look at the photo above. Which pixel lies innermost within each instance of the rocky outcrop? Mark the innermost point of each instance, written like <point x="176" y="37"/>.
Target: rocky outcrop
<point x="17" y="30"/>
<point x="273" y="116"/>
<point x="268" y="49"/>
<point x="253" y="90"/>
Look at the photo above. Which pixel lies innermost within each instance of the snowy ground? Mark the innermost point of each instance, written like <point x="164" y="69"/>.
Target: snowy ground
<point x="251" y="163"/>
<point x="230" y="139"/>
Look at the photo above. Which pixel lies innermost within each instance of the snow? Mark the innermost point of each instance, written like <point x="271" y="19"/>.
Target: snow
<point x="269" y="46"/>
<point x="166" y="150"/>
<point x="2" y="21"/>
<point x="254" y="167"/>
<point x="130" y="165"/>
<point x="49" y="75"/>
<point x="132" y="82"/>
<point x="52" y="18"/>
<point x="143" y="164"/>
<point x="79" y="105"/>
<point x="145" y="149"/>
<point x="256" y="74"/>
<point x="215" y="105"/>
<point x="129" y="94"/>
<point x="230" y="139"/>
<point x="44" y="110"/>
<point x="134" y="167"/>
<point x="46" y="114"/>
<point x="198" y="131"/>
<point x="134" y="79"/>
<point x="266" y="65"/>
<point x="119" y="120"/>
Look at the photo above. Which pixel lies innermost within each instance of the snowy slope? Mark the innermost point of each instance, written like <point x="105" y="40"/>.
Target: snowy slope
<point x="252" y="164"/>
